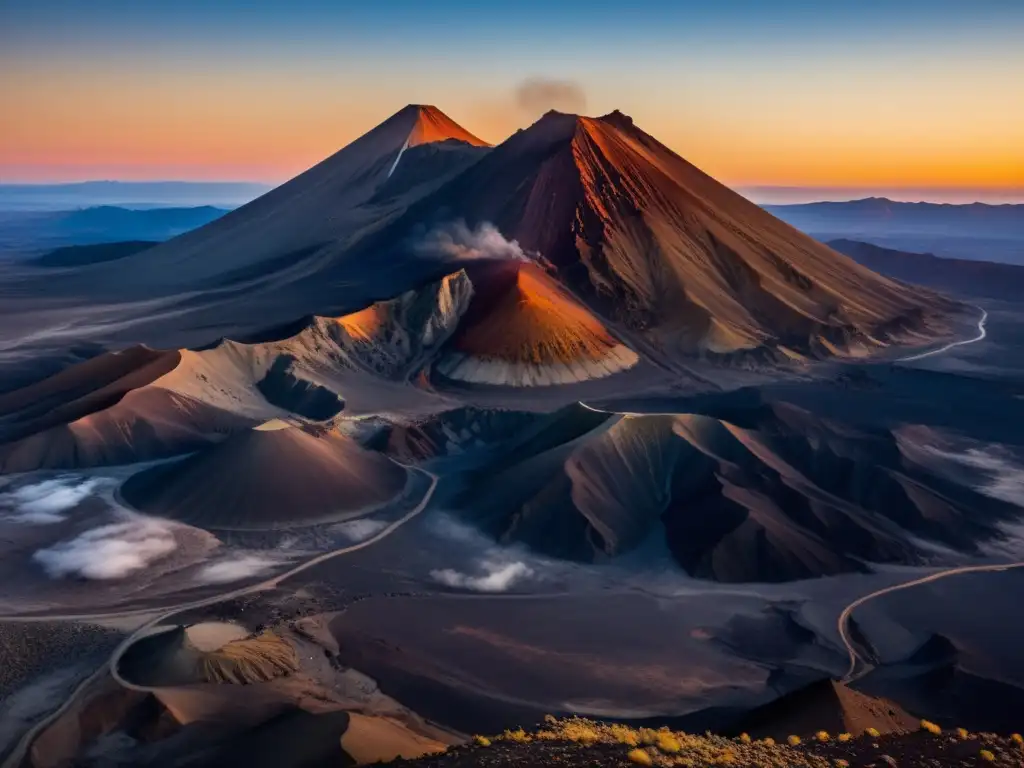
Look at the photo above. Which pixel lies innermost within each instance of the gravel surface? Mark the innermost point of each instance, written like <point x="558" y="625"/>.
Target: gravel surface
<point x="31" y="648"/>
<point x="584" y="744"/>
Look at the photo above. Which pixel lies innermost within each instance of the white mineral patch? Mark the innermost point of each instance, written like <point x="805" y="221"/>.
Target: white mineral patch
<point x="512" y="374"/>
<point x="214" y="635"/>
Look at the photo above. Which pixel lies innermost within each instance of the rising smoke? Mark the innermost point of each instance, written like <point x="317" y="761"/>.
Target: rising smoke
<point x="457" y="241"/>
<point x="538" y="94"/>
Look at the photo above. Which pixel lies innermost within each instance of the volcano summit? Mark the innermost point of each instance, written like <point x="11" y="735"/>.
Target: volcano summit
<point x="659" y="248"/>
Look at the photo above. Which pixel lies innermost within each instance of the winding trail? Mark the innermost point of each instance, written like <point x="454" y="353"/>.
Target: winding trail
<point x="982" y="333"/>
<point x="843" y="622"/>
<point x="844" y="617"/>
<point x="17" y="755"/>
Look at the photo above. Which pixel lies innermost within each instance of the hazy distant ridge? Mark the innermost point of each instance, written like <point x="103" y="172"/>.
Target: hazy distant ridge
<point x="35" y="231"/>
<point x="976" y="231"/>
<point x="129" y="194"/>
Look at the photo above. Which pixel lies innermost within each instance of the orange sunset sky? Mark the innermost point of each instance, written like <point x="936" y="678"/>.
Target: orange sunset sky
<point x="866" y="95"/>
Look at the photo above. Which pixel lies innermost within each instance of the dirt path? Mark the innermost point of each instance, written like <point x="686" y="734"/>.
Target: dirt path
<point x="844" y="617"/>
<point x="982" y="333"/>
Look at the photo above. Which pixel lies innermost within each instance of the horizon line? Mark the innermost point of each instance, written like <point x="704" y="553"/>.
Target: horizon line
<point x="761" y="194"/>
<point x="746" y="185"/>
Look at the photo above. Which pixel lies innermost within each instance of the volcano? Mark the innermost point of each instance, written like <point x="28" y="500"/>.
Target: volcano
<point x="671" y="263"/>
<point x="522" y="329"/>
<point x="626" y="257"/>
<point x="658" y="247"/>
<point x="268" y="478"/>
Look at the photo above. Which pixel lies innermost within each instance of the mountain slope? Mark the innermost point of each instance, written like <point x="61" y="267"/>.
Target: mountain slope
<point x="142" y="404"/>
<point x="79" y="255"/>
<point x="654" y="244"/>
<point x="324" y="205"/>
<point x="826" y="706"/>
<point x="268" y="478"/>
<point x="434" y="125"/>
<point x="773" y="494"/>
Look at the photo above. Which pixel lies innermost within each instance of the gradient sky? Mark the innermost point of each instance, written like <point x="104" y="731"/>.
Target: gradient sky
<point x="874" y="93"/>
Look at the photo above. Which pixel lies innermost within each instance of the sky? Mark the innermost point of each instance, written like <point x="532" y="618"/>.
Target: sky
<point x="875" y="94"/>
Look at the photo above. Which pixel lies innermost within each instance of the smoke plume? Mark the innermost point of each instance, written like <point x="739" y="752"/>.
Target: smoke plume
<point x="537" y="95"/>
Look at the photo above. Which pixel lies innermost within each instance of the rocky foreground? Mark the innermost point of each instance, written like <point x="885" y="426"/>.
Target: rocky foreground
<point x="584" y="743"/>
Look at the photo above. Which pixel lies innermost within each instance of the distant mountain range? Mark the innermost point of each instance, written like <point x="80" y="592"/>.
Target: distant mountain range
<point x="921" y="235"/>
<point x="128" y="194"/>
<point x="37" y="231"/>
<point x="976" y="231"/>
<point x="964" y="277"/>
<point x="796" y="195"/>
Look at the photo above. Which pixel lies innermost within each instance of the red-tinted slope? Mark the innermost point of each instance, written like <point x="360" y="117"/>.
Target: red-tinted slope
<point x="651" y="241"/>
<point x="522" y="329"/>
<point x="431" y="124"/>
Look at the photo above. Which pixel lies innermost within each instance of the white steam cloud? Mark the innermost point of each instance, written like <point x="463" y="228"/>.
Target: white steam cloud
<point x="458" y="241"/>
<point x="44" y="503"/>
<point x="360" y="530"/>
<point x="495" y="577"/>
<point x="237" y="567"/>
<point x="111" y="551"/>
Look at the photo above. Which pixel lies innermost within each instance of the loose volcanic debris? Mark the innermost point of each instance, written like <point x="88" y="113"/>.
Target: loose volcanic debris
<point x="30" y="650"/>
<point x="585" y="743"/>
